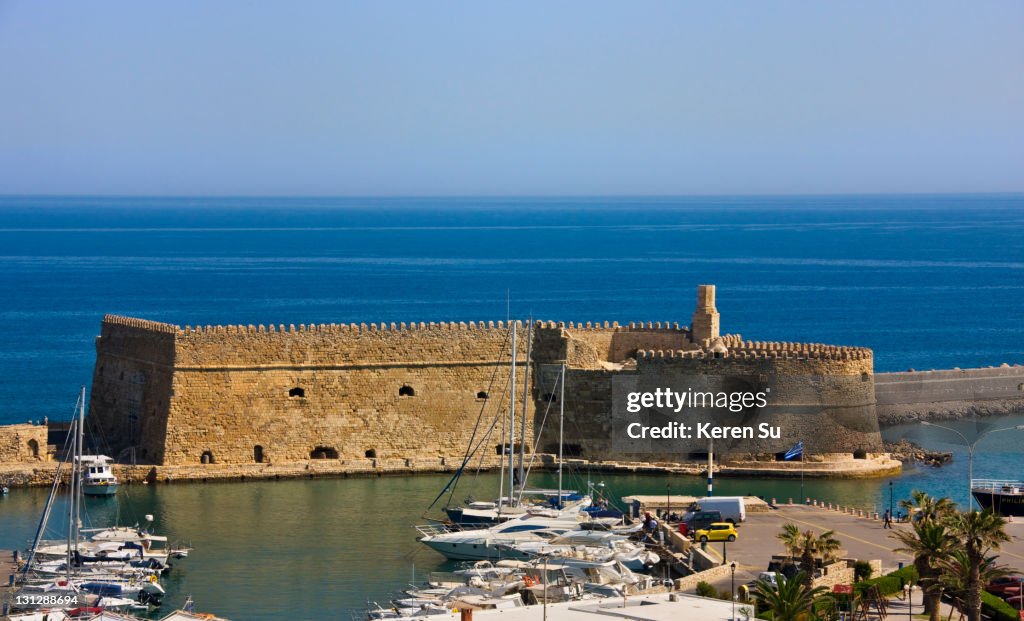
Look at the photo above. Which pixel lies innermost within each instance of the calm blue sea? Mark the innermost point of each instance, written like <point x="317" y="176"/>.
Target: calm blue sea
<point x="926" y="281"/>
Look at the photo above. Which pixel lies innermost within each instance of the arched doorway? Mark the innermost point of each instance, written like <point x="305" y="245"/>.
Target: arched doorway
<point x="257" y="454"/>
<point x="207" y="457"/>
<point x="33" y="448"/>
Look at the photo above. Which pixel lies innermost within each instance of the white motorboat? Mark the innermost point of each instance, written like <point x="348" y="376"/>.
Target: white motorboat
<point x="97" y="475"/>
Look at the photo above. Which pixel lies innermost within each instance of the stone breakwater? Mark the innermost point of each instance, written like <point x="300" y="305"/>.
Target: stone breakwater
<point x="949" y="394"/>
<point x="905" y="451"/>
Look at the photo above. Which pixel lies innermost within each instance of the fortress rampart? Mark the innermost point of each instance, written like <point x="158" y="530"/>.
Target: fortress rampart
<point x="422" y="391"/>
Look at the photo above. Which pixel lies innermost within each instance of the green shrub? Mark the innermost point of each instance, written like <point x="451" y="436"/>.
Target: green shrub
<point x="704" y="589"/>
<point x="996" y="609"/>
<point x="890" y="583"/>
<point x="862" y="570"/>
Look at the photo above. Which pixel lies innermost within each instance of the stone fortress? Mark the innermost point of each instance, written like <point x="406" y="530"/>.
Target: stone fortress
<point x="418" y="394"/>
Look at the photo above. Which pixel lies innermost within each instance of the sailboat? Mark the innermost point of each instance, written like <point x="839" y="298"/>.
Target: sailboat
<point x="87" y="572"/>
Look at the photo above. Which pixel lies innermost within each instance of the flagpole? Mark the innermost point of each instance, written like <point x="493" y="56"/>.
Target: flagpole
<point x="802" y="497"/>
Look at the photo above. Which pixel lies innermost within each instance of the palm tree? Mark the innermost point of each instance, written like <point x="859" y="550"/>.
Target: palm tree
<point x="807" y="546"/>
<point x="978" y="532"/>
<point x="928" y="507"/>
<point x="956" y="571"/>
<point x="930" y="544"/>
<point x="791" y="599"/>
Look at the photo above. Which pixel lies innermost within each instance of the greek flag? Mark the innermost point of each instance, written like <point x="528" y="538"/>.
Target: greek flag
<point x="796" y="451"/>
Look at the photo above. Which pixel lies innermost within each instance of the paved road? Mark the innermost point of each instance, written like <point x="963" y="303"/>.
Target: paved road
<point x="860" y="538"/>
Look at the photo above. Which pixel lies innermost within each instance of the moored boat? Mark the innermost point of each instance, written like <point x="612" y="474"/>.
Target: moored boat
<point x="97" y="476"/>
<point x="999" y="496"/>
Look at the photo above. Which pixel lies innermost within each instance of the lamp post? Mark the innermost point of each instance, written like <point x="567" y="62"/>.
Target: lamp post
<point x="668" y="501"/>
<point x="970" y="453"/>
<point x="732" y="568"/>
<point x="910" y="592"/>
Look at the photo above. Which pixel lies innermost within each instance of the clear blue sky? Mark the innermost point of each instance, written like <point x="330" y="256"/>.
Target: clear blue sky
<point x="473" y="97"/>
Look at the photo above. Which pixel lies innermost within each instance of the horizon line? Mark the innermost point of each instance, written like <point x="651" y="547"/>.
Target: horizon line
<point x="516" y="196"/>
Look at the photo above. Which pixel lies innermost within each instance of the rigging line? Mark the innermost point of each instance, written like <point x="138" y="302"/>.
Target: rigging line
<point x="49" y="505"/>
<point x="498" y="416"/>
<point x="468" y="455"/>
<point x="536" y="443"/>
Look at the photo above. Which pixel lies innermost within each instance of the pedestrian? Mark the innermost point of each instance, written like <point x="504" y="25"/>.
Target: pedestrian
<point x="887" y="519"/>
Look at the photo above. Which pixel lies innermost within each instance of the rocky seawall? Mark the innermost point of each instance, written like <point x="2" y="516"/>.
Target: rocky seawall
<point x="950" y="394"/>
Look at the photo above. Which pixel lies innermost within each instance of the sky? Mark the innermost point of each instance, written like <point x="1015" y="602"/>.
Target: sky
<point x="511" y="98"/>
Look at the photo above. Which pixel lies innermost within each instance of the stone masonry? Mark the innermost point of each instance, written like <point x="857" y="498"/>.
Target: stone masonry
<point x="424" y="392"/>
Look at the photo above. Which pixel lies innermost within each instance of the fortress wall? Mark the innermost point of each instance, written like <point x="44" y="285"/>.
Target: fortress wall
<point x="131" y="385"/>
<point x="234" y="390"/>
<point x="588" y="345"/>
<point x="22" y="443"/>
<point x="820" y="394"/>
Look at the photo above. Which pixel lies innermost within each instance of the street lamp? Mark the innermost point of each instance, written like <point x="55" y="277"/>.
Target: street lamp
<point x="970" y="453"/>
<point x="732" y="568"/>
<point x="668" y="501"/>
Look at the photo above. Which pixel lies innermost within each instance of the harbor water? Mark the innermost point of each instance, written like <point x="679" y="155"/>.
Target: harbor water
<point x="324" y="548"/>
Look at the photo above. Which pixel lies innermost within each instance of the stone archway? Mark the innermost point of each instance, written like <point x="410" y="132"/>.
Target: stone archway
<point x="33" y="448"/>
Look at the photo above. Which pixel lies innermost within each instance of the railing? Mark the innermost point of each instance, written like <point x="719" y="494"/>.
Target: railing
<point x="997" y="485"/>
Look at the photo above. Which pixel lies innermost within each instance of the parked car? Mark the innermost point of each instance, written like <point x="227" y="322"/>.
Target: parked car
<point x="719" y="531"/>
<point x="770" y="577"/>
<point x="1010" y="583"/>
<point x="696" y="520"/>
<point x="732" y="508"/>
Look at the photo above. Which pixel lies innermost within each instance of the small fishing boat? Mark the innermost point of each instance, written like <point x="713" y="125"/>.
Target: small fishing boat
<point x="97" y="476"/>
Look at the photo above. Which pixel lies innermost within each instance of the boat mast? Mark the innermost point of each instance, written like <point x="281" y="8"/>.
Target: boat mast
<point x="526" y="383"/>
<point x="72" y="481"/>
<point x="78" y="471"/>
<point x="561" y="431"/>
<point x="512" y="419"/>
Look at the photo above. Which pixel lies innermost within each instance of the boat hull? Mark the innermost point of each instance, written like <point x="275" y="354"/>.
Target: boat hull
<point x="1004" y="504"/>
<point x="99" y="490"/>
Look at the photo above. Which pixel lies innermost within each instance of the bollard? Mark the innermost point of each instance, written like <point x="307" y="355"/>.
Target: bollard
<point x="790" y="501"/>
<point x="773" y="502"/>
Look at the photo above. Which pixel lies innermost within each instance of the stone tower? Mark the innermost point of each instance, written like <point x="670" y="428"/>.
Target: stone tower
<point x="705" y="317"/>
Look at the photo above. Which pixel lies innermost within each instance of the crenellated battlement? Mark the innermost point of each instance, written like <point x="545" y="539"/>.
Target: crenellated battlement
<point x="598" y="326"/>
<point x="754" y="350"/>
<point x="342" y="328"/>
<point x="140" y="324"/>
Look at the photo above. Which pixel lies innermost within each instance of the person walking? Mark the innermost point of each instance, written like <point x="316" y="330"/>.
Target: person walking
<point x="887" y="519"/>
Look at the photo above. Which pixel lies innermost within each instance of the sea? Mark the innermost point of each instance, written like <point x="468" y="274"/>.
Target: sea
<point x="925" y="281"/>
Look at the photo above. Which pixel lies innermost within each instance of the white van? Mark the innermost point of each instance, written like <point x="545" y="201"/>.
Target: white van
<point x="731" y="507"/>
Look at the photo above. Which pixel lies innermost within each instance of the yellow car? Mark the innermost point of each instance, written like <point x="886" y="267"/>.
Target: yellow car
<point x="719" y="531"/>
